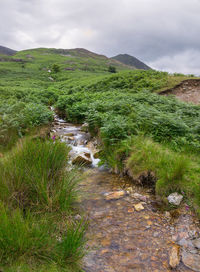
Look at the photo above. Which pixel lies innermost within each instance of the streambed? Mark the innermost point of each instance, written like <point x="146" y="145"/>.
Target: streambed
<point x="127" y="229"/>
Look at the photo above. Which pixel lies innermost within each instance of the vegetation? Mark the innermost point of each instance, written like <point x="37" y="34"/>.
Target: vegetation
<point x="36" y="199"/>
<point x="138" y="130"/>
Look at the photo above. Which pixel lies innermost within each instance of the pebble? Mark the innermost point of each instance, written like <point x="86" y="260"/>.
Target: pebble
<point x="139" y="207"/>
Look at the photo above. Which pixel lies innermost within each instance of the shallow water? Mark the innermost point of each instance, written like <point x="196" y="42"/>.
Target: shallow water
<point x="120" y="238"/>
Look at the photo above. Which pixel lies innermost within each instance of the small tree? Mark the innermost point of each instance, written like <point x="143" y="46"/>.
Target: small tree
<point x="56" y="68"/>
<point x="112" y="69"/>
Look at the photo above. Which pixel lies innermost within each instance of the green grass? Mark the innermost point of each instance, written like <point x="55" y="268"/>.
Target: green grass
<point x="37" y="197"/>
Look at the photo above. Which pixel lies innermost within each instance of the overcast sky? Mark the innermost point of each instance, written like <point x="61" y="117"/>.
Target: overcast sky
<point x="165" y="34"/>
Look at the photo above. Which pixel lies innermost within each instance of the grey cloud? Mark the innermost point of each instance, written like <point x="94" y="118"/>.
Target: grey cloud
<point x="159" y="32"/>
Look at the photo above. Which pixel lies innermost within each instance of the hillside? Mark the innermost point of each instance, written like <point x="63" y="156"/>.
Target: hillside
<point x="131" y="61"/>
<point x="7" y="51"/>
<point x="70" y="59"/>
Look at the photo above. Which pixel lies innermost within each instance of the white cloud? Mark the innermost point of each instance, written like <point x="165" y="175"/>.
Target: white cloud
<point x="155" y="31"/>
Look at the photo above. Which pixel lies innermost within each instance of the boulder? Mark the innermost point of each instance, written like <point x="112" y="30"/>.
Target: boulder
<point x="82" y="160"/>
<point x="175" y="199"/>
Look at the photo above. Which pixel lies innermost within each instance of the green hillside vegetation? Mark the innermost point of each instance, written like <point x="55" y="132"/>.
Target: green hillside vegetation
<point x="138" y="131"/>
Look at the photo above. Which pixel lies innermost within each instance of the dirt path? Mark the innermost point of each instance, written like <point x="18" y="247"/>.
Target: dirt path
<point x="187" y="91"/>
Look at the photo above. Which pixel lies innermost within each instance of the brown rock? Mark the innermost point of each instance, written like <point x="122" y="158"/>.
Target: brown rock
<point x="174" y="256"/>
<point x="71" y="138"/>
<point x="1" y="155"/>
<point x="69" y="134"/>
<point x="82" y="160"/>
<point x="115" y="195"/>
<point x="87" y="155"/>
<point x="191" y="260"/>
<point x="139" y="207"/>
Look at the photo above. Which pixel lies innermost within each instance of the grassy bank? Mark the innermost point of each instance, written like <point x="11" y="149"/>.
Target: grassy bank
<point x="37" y="196"/>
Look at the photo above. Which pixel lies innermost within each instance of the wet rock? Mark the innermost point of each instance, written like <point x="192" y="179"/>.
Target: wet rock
<point x="86" y="154"/>
<point x="174" y="256"/>
<point x="69" y="134"/>
<point x="185" y="243"/>
<point x="191" y="260"/>
<point x="81" y="159"/>
<point x="175" y="198"/>
<point x="139" y="207"/>
<point x="140" y="197"/>
<point x="196" y="243"/>
<point x="115" y="195"/>
<point x="71" y="138"/>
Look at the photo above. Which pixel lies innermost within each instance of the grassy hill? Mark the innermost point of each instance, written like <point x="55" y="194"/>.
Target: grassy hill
<point x="131" y="61"/>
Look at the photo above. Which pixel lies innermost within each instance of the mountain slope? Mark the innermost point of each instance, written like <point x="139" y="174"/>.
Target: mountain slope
<point x="131" y="61"/>
<point x="7" y="51"/>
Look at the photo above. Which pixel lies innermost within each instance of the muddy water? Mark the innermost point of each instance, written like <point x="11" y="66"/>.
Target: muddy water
<point x="123" y="236"/>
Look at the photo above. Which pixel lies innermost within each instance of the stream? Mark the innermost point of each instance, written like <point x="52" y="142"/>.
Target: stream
<point x="128" y="230"/>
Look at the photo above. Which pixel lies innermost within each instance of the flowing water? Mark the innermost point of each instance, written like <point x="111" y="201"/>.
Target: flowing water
<point x="122" y="235"/>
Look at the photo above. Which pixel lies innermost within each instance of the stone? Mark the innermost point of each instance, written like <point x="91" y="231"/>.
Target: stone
<point x="191" y="260"/>
<point x="96" y="154"/>
<point x="175" y="198"/>
<point x="185" y="243"/>
<point x="87" y="154"/>
<point x="69" y="134"/>
<point x="51" y="78"/>
<point x="1" y="155"/>
<point x="196" y="243"/>
<point x="139" y="207"/>
<point x="115" y="195"/>
<point x="140" y="197"/>
<point x="82" y="160"/>
<point x="174" y="256"/>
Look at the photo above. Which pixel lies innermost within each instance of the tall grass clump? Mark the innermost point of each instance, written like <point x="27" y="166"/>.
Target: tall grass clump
<point x="22" y="237"/>
<point x="33" y="176"/>
<point x="37" y="194"/>
<point x="170" y="168"/>
<point x="28" y="239"/>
